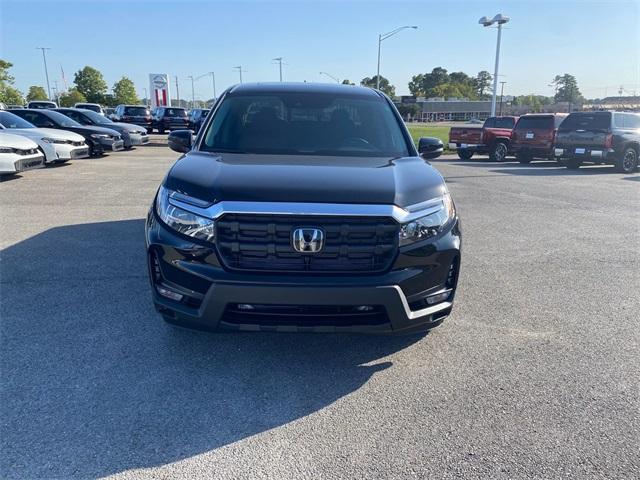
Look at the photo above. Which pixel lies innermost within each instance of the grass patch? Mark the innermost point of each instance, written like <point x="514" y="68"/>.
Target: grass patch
<point x="421" y="130"/>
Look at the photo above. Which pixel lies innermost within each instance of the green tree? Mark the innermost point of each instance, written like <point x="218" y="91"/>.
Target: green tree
<point x="482" y="83"/>
<point x="346" y="81"/>
<point x="415" y="85"/>
<point x="8" y="94"/>
<point x="124" y="91"/>
<point x="36" y="93"/>
<point x="422" y="85"/>
<point x="408" y="109"/>
<point x="385" y="86"/>
<point x="70" y="98"/>
<point x="91" y="84"/>
<point x="567" y="89"/>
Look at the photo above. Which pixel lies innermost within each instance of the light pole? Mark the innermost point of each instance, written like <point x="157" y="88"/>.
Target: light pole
<point x="279" y="60"/>
<point x="501" y="94"/>
<point x="46" y="70"/>
<point x="177" y="91"/>
<point x="382" y="37"/>
<point x="146" y="99"/>
<point x="330" y="76"/>
<point x="213" y="81"/>
<point x="500" y="20"/>
<point x="193" y="95"/>
<point x="239" y="68"/>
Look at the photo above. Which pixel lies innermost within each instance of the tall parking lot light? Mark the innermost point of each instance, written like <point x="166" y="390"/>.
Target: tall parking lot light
<point x="382" y="37"/>
<point x="330" y="76"/>
<point x="46" y="70"/>
<point x="486" y="22"/>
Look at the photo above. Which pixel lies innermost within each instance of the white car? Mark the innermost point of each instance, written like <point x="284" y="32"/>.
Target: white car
<point x="57" y="145"/>
<point x="18" y="154"/>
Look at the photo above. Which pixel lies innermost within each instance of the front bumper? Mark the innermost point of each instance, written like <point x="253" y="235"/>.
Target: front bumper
<point x="113" y="145"/>
<point x="70" y="152"/>
<point x="212" y="294"/>
<point x="14" y="163"/>
<point x="137" y="139"/>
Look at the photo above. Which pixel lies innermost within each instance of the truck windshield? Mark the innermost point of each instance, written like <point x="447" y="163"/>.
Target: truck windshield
<point x="306" y="124"/>
<point x="587" y="121"/>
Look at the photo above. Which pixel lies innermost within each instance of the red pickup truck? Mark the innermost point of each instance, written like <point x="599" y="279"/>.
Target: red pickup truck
<point x="493" y="138"/>
<point x="534" y="135"/>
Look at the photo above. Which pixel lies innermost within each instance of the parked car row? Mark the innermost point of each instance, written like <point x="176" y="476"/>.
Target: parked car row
<point x="161" y="119"/>
<point x="34" y="137"/>
<point x="604" y="137"/>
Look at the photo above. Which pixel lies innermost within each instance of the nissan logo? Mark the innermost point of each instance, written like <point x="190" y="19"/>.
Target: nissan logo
<point x="307" y="240"/>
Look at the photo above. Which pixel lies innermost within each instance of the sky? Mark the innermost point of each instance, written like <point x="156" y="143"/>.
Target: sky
<point x="597" y="41"/>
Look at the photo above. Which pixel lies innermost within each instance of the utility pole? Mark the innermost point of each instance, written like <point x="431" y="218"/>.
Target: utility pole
<point x="146" y="98"/>
<point x="239" y="68"/>
<point x="213" y="81"/>
<point x="501" y="94"/>
<point x="56" y="94"/>
<point x="279" y="60"/>
<point x="193" y="95"/>
<point x="46" y="71"/>
<point x="177" y="91"/>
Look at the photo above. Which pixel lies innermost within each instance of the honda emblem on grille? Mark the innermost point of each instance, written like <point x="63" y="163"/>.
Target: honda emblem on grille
<point x="307" y="240"/>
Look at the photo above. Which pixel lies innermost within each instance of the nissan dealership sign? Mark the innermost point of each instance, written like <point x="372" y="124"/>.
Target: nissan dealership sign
<point x="159" y="88"/>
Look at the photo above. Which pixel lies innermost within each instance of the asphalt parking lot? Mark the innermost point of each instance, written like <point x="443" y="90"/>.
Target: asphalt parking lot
<point x="535" y="374"/>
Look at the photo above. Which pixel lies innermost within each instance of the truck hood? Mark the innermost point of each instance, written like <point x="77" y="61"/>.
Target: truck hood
<point x="312" y="179"/>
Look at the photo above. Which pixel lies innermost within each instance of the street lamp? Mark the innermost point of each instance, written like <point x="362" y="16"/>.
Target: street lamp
<point x="486" y="22"/>
<point x="193" y="95"/>
<point x="239" y="68"/>
<point x="330" y="76"/>
<point x="382" y="37"/>
<point x="279" y="61"/>
<point x="46" y="70"/>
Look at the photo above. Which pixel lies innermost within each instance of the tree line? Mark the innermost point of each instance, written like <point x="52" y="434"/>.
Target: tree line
<point x="89" y="86"/>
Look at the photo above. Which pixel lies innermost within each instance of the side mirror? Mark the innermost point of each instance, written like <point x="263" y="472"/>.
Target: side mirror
<point x="181" y="140"/>
<point x="430" y="148"/>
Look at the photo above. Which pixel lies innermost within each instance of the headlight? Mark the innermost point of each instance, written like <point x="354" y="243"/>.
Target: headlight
<point x="54" y="140"/>
<point x="100" y="136"/>
<point x="430" y="225"/>
<point x="182" y="221"/>
<point x="7" y="150"/>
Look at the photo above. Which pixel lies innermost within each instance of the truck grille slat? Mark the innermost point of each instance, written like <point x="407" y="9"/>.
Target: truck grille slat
<point x="261" y="242"/>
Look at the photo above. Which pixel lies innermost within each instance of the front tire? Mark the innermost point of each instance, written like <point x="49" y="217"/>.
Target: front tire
<point x="628" y="161"/>
<point x="499" y="152"/>
<point x="464" y="154"/>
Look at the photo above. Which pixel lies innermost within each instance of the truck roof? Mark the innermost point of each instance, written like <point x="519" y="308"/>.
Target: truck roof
<point x="301" y="87"/>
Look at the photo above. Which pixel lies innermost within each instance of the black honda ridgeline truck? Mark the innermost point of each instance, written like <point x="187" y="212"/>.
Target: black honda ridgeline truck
<point x="303" y="207"/>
